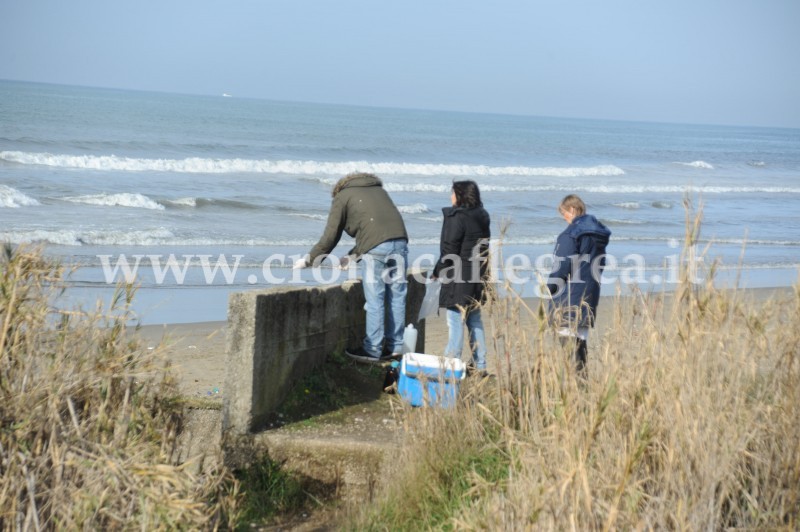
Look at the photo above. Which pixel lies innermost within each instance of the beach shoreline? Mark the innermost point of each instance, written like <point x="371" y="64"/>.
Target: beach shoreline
<point x="168" y="304"/>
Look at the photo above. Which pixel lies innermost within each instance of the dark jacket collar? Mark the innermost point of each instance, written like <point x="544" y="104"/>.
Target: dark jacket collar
<point x="452" y="211"/>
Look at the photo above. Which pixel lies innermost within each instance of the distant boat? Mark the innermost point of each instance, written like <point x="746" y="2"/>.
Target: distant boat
<point x="225" y="94"/>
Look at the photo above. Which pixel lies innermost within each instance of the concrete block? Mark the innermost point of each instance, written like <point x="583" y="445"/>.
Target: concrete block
<point x="277" y="336"/>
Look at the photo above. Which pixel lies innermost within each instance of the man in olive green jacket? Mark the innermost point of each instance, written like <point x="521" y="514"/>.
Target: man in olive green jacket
<point x="362" y="209"/>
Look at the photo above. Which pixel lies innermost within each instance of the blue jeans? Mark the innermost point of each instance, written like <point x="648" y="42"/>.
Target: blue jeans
<point x="477" y="338"/>
<point x="385" y="285"/>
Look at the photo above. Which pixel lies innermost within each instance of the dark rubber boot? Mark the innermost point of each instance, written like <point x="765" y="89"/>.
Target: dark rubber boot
<point x="580" y="358"/>
<point x="578" y="345"/>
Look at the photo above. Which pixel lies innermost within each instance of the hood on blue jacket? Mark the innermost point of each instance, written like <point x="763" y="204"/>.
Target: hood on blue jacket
<point x="589" y="225"/>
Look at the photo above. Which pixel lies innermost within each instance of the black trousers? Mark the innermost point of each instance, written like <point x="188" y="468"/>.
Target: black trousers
<point x="578" y="346"/>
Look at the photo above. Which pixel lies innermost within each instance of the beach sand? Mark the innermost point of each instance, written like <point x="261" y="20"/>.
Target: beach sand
<point x="196" y="351"/>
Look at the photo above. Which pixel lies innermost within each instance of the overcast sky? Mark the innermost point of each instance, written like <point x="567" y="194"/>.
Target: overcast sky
<point x="694" y="61"/>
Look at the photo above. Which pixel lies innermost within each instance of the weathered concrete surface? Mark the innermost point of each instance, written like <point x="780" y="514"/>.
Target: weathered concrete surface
<point x="351" y="468"/>
<point x="277" y="336"/>
<point x="199" y="439"/>
<point x="348" y="455"/>
<point x="347" y="451"/>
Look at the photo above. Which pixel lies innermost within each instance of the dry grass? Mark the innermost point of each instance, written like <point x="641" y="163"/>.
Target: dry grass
<point x="688" y="421"/>
<point x="89" y="420"/>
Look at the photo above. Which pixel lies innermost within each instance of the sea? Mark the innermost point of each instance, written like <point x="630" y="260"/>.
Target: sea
<point x="193" y="197"/>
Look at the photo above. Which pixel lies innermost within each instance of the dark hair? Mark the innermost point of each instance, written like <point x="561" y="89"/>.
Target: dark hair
<point x="467" y="194"/>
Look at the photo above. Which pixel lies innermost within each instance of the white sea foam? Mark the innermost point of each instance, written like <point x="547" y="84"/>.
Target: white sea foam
<point x="756" y="242"/>
<point x="13" y="198"/>
<point x="627" y="205"/>
<point x="266" y="166"/>
<point x="674" y="242"/>
<point x="118" y="200"/>
<point x="416" y="208"/>
<point x="616" y="221"/>
<point x="77" y="237"/>
<point x="597" y="189"/>
<point x="418" y="187"/>
<point x="698" y="164"/>
<point x="162" y="237"/>
<point x="183" y="202"/>
<point x="152" y="237"/>
<point x="309" y="216"/>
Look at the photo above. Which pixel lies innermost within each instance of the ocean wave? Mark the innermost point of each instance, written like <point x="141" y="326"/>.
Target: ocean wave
<point x="662" y="204"/>
<point x="161" y="237"/>
<point x="419" y="187"/>
<point x="13" y="198"/>
<point x="755" y="242"/>
<point x="76" y="237"/>
<point x="292" y="167"/>
<point x="579" y="187"/>
<point x="632" y="205"/>
<point x="309" y="216"/>
<point x="676" y="242"/>
<point x="416" y="208"/>
<point x="152" y="237"/>
<point x="598" y="189"/>
<point x="182" y="202"/>
<point x="124" y="199"/>
<point x="757" y="164"/>
<point x="615" y="221"/>
<point x="199" y="203"/>
<point x="698" y="164"/>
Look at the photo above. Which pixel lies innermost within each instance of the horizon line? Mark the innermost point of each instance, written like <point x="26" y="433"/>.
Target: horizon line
<point x="227" y="94"/>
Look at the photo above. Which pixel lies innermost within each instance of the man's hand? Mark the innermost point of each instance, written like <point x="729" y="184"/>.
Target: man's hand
<point x="299" y="264"/>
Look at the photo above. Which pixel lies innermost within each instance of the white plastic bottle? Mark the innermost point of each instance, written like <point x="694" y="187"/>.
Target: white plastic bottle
<point x="409" y="339"/>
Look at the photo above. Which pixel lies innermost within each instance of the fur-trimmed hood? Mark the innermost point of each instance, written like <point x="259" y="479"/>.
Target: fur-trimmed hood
<point x="357" y="179"/>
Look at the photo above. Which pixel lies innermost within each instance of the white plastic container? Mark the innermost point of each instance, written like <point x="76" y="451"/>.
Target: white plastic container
<point x="409" y="339"/>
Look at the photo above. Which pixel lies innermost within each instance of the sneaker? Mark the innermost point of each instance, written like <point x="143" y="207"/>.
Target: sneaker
<point x="389" y="355"/>
<point x="360" y="355"/>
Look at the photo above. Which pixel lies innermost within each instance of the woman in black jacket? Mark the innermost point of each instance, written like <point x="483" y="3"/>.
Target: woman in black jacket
<point x="463" y="269"/>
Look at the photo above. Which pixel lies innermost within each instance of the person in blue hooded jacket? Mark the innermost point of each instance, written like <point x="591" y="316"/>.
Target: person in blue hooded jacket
<point x="574" y="283"/>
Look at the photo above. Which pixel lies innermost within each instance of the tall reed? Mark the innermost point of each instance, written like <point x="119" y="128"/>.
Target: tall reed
<point x="89" y="421"/>
<point x="688" y="420"/>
